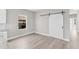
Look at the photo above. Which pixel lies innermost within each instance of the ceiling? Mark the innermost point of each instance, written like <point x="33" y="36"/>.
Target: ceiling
<point x="72" y="11"/>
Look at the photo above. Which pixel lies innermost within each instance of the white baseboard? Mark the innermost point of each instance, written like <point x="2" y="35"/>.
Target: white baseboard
<point x="52" y="36"/>
<point x="37" y="33"/>
<point x="19" y="36"/>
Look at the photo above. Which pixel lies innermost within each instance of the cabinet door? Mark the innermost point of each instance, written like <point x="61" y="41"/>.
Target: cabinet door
<point x="3" y="40"/>
<point x="2" y="15"/>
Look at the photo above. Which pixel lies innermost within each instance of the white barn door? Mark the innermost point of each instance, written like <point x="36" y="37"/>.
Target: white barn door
<point x="56" y="25"/>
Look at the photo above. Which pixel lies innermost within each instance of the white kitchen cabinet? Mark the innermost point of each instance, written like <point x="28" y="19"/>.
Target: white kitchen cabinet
<point x="3" y="31"/>
<point x="2" y="15"/>
<point x="3" y="40"/>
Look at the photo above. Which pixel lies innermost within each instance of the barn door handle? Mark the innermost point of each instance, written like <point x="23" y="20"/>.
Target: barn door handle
<point x="62" y="27"/>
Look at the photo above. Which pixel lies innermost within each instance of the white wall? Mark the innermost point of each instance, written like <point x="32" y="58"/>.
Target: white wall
<point x="66" y="25"/>
<point x="42" y="26"/>
<point x="12" y="22"/>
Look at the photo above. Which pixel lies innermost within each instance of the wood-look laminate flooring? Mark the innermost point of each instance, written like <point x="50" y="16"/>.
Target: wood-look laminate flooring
<point x="36" y="41"/>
